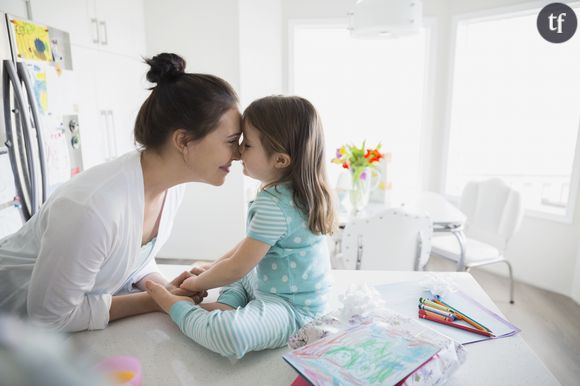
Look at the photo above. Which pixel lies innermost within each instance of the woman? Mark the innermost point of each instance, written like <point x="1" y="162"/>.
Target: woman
<point x="78" y="263"/>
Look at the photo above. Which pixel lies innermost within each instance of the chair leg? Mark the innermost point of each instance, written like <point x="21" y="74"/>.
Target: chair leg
<point x="511" y="281"/>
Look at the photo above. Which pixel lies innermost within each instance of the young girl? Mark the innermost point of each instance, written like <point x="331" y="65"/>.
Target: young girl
<point x="277" y="278"/>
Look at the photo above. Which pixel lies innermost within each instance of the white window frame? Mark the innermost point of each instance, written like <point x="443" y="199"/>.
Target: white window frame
<point x="495" y="14"/>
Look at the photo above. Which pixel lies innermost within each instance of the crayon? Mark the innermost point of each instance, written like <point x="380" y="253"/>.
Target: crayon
<point x="434" y="315"/>
<point x="437" y="311"/>
<point x="462" y="316"/>
<point x="424" y="315"/>
<point x="430" y="303"/>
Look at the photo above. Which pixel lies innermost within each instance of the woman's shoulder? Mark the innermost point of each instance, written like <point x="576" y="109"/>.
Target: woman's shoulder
<point x="117" y="181"/>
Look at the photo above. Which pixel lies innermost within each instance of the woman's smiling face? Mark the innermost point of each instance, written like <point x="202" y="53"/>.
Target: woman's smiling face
<point x="210" y="158"/>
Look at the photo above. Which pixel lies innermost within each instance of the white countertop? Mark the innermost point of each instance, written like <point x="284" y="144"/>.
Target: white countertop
<point x="170" y="358"/>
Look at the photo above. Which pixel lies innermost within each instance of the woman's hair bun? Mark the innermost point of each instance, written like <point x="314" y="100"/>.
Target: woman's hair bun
<point x="165" y="67"/>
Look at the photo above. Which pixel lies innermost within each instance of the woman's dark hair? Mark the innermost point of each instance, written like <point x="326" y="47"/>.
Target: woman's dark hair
<point x="291" y="125"/>
<point x="180" y="100"/>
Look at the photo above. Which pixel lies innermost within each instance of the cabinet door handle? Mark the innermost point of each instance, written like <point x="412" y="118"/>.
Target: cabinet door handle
<point x="95" y="24"/>
<point x="105" y="40"/>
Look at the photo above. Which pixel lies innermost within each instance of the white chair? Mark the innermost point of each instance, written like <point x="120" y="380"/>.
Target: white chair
<point x="494" y="213"/>
<point x="391" y="240"/>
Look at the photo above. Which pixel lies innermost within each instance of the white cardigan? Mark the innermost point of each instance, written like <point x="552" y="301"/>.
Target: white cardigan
<point x="82" y="247"/>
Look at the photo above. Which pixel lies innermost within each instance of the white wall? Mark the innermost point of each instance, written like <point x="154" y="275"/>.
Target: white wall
<point x="576" y="284"/>
<point x="260" y="49"/>
<point x="205" y="34"/>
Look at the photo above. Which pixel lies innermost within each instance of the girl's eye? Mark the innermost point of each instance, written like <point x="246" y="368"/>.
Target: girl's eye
<point x="246" y="145"/>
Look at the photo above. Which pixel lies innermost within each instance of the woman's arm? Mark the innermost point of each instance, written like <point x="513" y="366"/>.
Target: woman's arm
<point x="73" y="247"/>
<point x="132" y="304"/>
<point x="226" y="271"/>
<point x="123" y="306"/>
<point x="154" y="276"/>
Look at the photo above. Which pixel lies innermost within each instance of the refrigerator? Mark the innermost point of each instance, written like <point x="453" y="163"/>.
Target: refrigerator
<point x="40" y="145"/>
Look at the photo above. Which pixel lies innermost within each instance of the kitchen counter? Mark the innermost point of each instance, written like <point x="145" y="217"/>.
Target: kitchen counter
<point x="170" y="358"/>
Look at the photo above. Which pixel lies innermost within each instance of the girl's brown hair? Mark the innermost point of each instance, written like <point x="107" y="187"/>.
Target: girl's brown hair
<point x="180" y="100"/>
<point x="290" y="125"/>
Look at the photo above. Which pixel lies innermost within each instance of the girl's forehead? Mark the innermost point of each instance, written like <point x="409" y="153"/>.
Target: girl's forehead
<point x="248" y="128"/>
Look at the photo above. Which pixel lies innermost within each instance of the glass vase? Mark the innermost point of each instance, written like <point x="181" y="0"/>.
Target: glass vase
<point x="361" y="189"/>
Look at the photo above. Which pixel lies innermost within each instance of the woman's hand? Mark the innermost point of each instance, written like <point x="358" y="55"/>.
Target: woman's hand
<point x="173" y="287"/>
<point x="163" y="297"/>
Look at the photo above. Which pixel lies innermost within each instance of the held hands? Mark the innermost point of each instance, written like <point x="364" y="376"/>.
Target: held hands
<point x="165" y="297"/>
<point x="188" y="284"/>
<point x="174" y="287"/>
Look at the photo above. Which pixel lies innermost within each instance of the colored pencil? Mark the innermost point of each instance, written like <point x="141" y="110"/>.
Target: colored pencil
<point x="424" y="315"/>
<point x="462" y="316"/>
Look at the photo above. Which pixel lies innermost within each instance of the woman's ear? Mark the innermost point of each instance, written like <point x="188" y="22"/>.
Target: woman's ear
<point x="179" y="139"/>
<point x="282" y="160"/>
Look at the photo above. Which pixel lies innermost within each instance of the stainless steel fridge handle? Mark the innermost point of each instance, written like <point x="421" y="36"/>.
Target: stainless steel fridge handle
<point x="42" y="189"/>
<point x="95" y="22"/>
<point x="11" y="78"/>
<point x="105" y="41"/>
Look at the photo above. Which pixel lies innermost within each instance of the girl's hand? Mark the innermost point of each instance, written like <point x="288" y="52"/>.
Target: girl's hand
<point x="163" y="297"/>
<point x="200" y="268"/>
<point x="189" y="284"/>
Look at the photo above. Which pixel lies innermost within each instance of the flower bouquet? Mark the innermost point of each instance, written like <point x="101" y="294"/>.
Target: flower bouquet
<point x="363" y="165"/>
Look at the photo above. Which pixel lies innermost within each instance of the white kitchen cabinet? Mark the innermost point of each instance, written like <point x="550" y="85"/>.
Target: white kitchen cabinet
<point x="71" y="16"/>
<point x="92" y="143"/>
<point x="111" y="91"/>
<point x="121" y="89"/>
<point x="121" y="25"/>
<point x="116" y="26"/>
<point x="108" y="40"/>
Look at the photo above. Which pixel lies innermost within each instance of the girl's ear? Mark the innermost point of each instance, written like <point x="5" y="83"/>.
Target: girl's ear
<point x="282" y="160"/>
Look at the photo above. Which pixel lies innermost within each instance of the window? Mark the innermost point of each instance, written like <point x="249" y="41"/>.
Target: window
<point x="515" y="111"/>
<point x="364" y="90"/>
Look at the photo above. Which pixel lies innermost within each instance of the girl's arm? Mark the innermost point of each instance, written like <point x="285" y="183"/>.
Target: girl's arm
<point x="228" y="270"/>
<point x="200" y="268"/>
